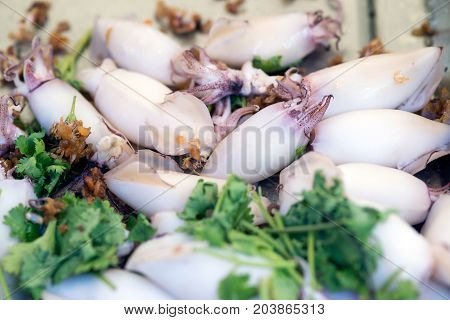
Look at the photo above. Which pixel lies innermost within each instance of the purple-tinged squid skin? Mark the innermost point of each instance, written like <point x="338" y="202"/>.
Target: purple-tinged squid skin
<point x="50" y="100"/>
<point x="8" y="131"/>
<point x="212" y="81"/>
<point x="266" y="142"/>
<point x="291" y="36"/>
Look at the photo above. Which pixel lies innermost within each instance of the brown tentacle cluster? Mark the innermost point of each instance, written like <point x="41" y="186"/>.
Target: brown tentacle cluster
<point x="306" y="114"/>
<point x="37" y="66"/>
<point x="289" y="87"/>
<point x="210" y="80"/>
<point x="324" y="28"/>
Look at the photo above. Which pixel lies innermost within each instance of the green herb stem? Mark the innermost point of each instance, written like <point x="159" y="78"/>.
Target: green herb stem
<point x="4" y="285"/>
<point x="304" y="228"/>
<point x="312" y="258"/>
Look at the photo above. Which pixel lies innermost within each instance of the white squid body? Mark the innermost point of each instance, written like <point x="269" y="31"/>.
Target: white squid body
<point x="299" y="177"/>
<point x="404" y="249"/>
<point x="135" y="46"/>
<point x="52" y="101"/>
<point x="390" y="138"/>
<point x="166" y="222"/>
<point x="403" y="81"/>
<point x="152" y="190"/>
<point x="178" y="265"/>
<point x="153" y="187"/>
<point x="126" y="286"/>
<point x="265" y="143"/>
<point x="290" y="36"/>
<point x="366" y="184"/>
<point x="437" y="231"/>
<point x="146" y="113"/>
<point x="387" y="188"/>
<point x="12" y="193"/>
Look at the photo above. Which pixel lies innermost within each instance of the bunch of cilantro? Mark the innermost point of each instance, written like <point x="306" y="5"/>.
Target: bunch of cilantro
<point x="325" y="229"/>
<point x="84" y="237"/>
<point x="44" y="169"/>
<point x="222" y="219"/>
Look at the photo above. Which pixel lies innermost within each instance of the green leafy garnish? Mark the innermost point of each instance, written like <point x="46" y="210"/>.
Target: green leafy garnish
<point x="238" y="101"/>
<point x="300" y="151"/>
<point x="21" y="228"/>
<point x="237" y="287"/>
<point x="230" y="209"/>
<point x="344" y="255"/>
<point x="201" y="202"/>
<point x="37" y="164"/>
<point x="4" y="286"/>
<point x="270" y="65"/>
<point x="66" y="66"/>
<point x="84" y="237"/>
<point x="71" y="117"/>
<point x="397" y="290"/>
<point x="140" y="229"/>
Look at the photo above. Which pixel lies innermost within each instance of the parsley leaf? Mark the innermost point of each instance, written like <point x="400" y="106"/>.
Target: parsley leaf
<point x="37" y="164"/>
<point x="21" y="228"/>
<point x="236" y="287"/>
<point x="140" y="229"/>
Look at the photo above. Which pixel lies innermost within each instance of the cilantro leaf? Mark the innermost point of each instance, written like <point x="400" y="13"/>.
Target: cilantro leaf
<point x="270" y="65"/>
<point x="21" y="228"/>
<point x="238" y="101"/>
<point x="84" y="237"/>
<point x="201" y="202"/>
<point x="344" y="255"/>
<point x="140" y="229"/>
<point x="230" y="210"/>
<point x="37" y="164"/>
<point x="236" y="287"/>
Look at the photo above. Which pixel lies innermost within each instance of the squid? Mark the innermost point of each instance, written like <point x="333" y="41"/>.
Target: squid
<point x="134" y="46"/>
<point x="112" y="284"/>
<point x="189" y="269"/>
<point x="404" y="81"/>
<point x="290" y="36"/>
<point x="211" y="81"/>
<point x="267" y="141"/>
<point x="366" y="184"/>
<point x="403" y="250"/>
<point x="437" y="231"/>
<point x="148" y="113"/>
<point x="391" y="138"/>
<point x="166" y="222"/>
<point x="149" y="183"/>
<point x="50" y="99"/>
<point x="8" y="131"/>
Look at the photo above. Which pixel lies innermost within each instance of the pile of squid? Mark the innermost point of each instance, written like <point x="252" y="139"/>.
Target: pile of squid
<point x="163" y="118"/>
